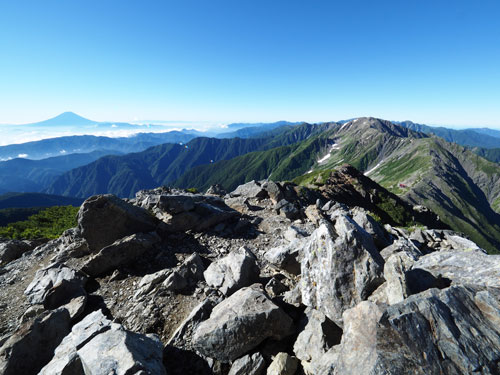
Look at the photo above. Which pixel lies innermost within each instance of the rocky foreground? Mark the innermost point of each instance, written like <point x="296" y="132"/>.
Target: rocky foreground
<point x="269" y="279"/>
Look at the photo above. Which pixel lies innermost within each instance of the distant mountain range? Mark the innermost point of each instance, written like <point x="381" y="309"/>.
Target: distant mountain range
<point x="443" y="169"/>
<point x="89" y="143"/>
<point x="162" y="165"/>
<point x="460" y="186"/>
<point x="474" y="137"/>
<point x="25" y="175"/>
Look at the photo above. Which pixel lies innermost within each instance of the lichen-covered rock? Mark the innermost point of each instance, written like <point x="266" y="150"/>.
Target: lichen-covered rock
<point x="239" y="324"/>
<point x="283" y="364"/>
<point x="340" y="268"/>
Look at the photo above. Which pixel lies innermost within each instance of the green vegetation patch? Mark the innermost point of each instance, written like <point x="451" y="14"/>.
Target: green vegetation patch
<point x="49" y="223"/>
<point x="398" y="170"/>
<point x="317" y="178"/>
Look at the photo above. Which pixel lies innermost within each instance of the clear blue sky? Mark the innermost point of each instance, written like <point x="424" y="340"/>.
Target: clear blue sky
<point x="434" y="62"/>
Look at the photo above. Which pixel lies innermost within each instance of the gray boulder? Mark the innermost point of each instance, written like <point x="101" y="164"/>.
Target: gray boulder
<point x="286" y="257"/>
<point x="181" y="338"/>
<point x="251" y="189"/>
<point x="192" y="269"/>
<point x="401" y="245"/>
<point x="216" y="190"/>
<point x="239" y="324"/>
<point x="274" y="191"/>
<point x="232" y="272"/>
<point x="182" y="211"/>
<point x="186" y="274"/>
<point x="463" y="267"/>
<point x="370" y="225"/>
<point x="51" y="276"/>
<point x="359" y="340"/>
<point x="33" y="345"/>
<point x="97" y="346"/>
<point x="103" y="219"/>
<point x="340" y="268"/>
<point x="248" y="365"/>
<point x="66" y="359"/>
<point x="118" y="351"/>
<point x="13" y="249"/>
<point x="451" y="331"/>
<point x="70" y="294"/>
<point x="121" y="252"/>
<point x="317" y="337"/>
<point x="287" y="209"/>
<point x="395" y="269"/>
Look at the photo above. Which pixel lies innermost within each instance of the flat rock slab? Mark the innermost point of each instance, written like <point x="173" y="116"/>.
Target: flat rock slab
<point x="121" y="252"/>
<point x="463" y="267"/>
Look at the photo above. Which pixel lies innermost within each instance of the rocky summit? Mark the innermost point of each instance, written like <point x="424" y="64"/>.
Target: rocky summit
<point x="271" y="278"/>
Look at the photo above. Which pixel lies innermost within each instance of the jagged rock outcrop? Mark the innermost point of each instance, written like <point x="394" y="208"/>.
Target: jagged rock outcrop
<point x="239" y="324"/>
<point x="452" y="331"/>
<point x="340" y="268"/>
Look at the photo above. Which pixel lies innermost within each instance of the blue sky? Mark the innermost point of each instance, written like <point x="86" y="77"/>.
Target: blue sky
<point x="434" y="62"/>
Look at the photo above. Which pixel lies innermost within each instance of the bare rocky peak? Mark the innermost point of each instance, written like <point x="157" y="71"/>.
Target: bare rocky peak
<point x="270" y="278"/>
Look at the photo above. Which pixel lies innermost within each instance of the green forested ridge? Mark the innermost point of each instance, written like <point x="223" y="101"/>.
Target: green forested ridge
<point x="162" y="165"/>
<point x="17" y="200"/>
<point x="11" y="215"/>
<point x="48" y="223"/>
<point x="280" y="163"/>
